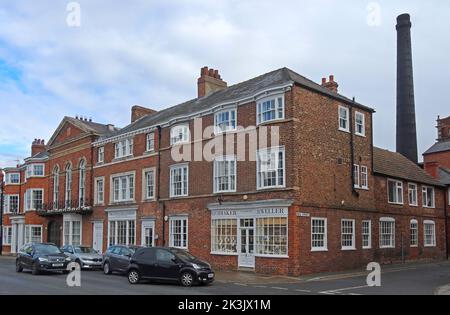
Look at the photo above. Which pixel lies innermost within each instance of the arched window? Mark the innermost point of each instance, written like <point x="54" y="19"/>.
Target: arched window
<point x="82" y="184"/>
<point x="68" y="195"/>
<point x="55" y="187"/>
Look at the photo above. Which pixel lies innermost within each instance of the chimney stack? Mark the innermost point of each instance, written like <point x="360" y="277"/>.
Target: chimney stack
<point x="443" y="127"/>
<point x="406" y="112"/>
<point x="37" y="146"/>
<point x="209" y="82"/>
<point x="139" y="111"/>
<point x="331" y="84"/>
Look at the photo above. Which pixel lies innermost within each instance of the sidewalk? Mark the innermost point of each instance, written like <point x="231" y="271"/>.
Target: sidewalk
<point x="445" y="290"/>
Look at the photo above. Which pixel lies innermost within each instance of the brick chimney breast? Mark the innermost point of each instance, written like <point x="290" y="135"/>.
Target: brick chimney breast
<point x="331" y="84"/>
<point x="139" y="111"/>
<point x="209" y="82"/>
<point x="37" y="146"/>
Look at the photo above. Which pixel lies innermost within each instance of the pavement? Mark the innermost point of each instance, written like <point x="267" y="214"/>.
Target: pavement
<point x="409" y="279"/>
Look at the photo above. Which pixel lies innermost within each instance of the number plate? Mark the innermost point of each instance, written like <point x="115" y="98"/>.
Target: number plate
<point x="211" y="275"/>
<point x="58" y="265"/>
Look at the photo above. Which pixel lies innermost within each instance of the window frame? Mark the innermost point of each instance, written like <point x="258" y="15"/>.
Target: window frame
<point x="150" y="142"/>
<point x="267" y="151"/>
<point x="145" y="186"/>
<point x="97" y="180"/>
<point x="325" y="235"/>
<point x="347" y="118"/>
<point x="363" y="124"/>
<point x="101" y="155"/>
<point x="27" y="233"/>
<point x="229" y="123"/>
<point x="124" y="148"/>
<point x="390" y="180"/>
<point x="8" y="180"/>
<point x="415" y="193"/>
<point x="184" y="235"/>
<point x="7" y="203"/>
<point x="391" y="221"/>
<point x="433" y="224"/>
<point x="7" y="235"/>
<point x="228" y="159"/>
<point x="184" y="185"/>
<point x="30" y="201"/>
<point x="427" y="198"/>
<point x="130" y="190"/>
<point x="369" y="234"/>
<point x="353" y="226"/>
<point x="186" y="134"/>
<point x="278" y="109"/>
<point x="31" y="170"/>
<point x="416" y="234"/>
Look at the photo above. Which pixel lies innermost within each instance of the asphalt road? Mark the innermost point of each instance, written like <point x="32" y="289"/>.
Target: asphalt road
<point x="408" y="279"/>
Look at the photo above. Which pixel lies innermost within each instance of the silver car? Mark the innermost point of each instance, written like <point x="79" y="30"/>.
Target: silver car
<point x="85" y="256"/>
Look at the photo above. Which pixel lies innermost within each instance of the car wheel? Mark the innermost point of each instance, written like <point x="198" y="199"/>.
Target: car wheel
<point x="34" y="270"/>
<point x="18" y="267"/>
<point x="134" y="276"/>
<point x="106" y="269"/>
<point x="187" y="279"/>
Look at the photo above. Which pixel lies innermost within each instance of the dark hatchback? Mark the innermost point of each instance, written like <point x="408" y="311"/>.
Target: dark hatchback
<point x="169" y="264"/>
<point x="117" y="258"/>
<point x="39" y="257"/>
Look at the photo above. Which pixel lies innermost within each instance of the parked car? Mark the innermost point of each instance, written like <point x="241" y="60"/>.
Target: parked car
<point x="39" y="257"/>
<point x="117" y="258"/>
<point x="85" y="256"/>
<point x="169" y="264"/>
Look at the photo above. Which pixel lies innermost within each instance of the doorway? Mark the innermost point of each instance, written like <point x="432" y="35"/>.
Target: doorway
<point x="54" y="233"/>
<point x="247" y="243"/>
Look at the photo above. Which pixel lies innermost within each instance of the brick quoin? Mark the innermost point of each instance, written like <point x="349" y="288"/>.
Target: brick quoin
<point x="319" y="160"/>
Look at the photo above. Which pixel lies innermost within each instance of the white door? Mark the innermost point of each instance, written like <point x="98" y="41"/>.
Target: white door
<point x="14" y="239"/>
<point x="148" y="234"/>
<point x="247" y="243"/>
<point x="97" y="239"/>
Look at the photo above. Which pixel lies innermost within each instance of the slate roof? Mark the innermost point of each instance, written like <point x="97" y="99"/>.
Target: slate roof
<point x="444" y="176"/>
<point x="438" y="147"/>
<point x="395" y="165"/>
<point x="233" y="93"/>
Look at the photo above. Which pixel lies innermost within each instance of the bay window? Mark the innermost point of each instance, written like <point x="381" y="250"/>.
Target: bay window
<point x="225" y="121"/>
<point x="11" y="204"/>
<point x="270" y="109"/>
<point x="35" y="170"/>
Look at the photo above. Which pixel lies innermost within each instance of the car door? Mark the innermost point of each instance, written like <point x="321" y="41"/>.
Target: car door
<point x="123" y="259"/>
<point x="167" y="267"/>
<point x="146" y="260"/>
<point x="114" y="258"/>
<point x="27" y="256"/>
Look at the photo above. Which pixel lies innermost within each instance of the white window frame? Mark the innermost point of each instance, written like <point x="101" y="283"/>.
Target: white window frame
<point x="231" y="240"/>
<point x="115" y="222"/>
<point x="27" y="236"/>
<point x="259" y="172"/>
<point x="7" y="238"/>
<point x="231" y="176"/>
<point x="398" y="186"/>
<point x="7" y="203"/>
<point x="145" y="190"/>
<point x="99" y="201"/>
<point x="279" y="109"/>
<point x="71" y="221"/>
<point x="413" y="191"/>
<point x="130" y="190"/>
<point x="184" y="185"/>
<point x="101" y="155"/>
<point x="68" y="186"/>
<point x="230" y="125"/>
<point x="31" y="170"/>
<point x="426" y="198"/>
<point x="179" y="130"/>
<point x="82" y="172"/>
<point x="353" y="225"/>
<point x="148" y="224"/>
<point x="150" y="142"/>
<point x="325" y="235"/>
<point x="416" y="234"/>
<point x="357" y="175"/>
<point x="29" y="200"/>
<point x="362" y="124"/>
<point x="8" y="180"/>
<point x="184" y="236"/>
<point x="346" y="118"/>
<point x="364" y="177"/>
<point x="392" y="221"/>
<point x="367" y="233"/>
<point x="124" y="148"/>
<point x="433" y="224"/>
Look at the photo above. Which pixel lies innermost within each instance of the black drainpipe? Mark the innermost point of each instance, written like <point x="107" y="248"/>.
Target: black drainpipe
<point x="446" y="203"/>
<point x="158" y="196"/>
<point x="352" y="149"/>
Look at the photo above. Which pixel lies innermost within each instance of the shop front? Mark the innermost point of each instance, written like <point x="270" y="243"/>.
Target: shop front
<point x="249" y="230"/>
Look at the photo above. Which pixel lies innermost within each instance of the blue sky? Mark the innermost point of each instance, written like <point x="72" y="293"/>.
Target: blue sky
<point x="150" y="53"/>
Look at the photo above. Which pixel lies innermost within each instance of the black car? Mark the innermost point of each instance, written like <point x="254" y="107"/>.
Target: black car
<point x="117" y="258"/>
<point x="39" y="257"/>
<point x="169" y="264"/>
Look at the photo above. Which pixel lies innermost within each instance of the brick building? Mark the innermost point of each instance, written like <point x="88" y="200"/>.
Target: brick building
<point x="437" y="161"/>
<point x="276" y="174"/>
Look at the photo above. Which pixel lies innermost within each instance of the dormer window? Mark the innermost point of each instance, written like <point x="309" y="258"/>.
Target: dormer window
<point x="179" y="134"/>
<point x="35" y="170"/>
<point x="270" y="109"/>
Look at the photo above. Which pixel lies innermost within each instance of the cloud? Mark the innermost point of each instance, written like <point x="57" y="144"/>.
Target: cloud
<point x="150" y="53"/>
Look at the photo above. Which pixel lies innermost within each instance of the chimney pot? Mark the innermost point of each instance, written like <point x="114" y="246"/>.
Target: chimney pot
<point x="209" y="82"/>
<point x="331" y="78"/>
<point x="324" y="81"/>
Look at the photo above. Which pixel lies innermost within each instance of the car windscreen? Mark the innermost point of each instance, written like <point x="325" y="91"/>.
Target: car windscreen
<point x="184" y="255"/>
<point x="47" y="250"/>
<point x="84" y="250"/>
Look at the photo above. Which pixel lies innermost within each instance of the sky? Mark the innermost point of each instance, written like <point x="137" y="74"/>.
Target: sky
<point x="97" y="58"/>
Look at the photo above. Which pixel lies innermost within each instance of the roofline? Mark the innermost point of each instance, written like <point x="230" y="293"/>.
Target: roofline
<point x="409" y="180"/>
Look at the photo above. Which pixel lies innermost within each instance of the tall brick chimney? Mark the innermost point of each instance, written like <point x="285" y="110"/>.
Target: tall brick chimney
<point x="331" y="84"/>
<point x="37" y="146"/>
<point x="139" y="111"/>
<point x="443" y="127"/>
<point x="209" y="82"/>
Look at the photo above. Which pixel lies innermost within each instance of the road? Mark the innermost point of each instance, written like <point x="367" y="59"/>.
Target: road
<point x="423" y="279"/>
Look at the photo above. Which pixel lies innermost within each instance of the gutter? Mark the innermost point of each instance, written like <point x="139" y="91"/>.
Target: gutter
<point x="158" y="195"/>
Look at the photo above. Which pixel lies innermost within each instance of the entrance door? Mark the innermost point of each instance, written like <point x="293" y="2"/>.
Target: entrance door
<point x="54" y="233"/>
<point x="247" y="243"/>
<point x="148" y="234"/>
<point x="97" y="237"/>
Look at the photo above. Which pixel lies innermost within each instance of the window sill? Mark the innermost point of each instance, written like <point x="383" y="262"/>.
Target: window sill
<point x="414" y="246"/>
<point x="122" y="158"/>
<point x="429" y="246"/>
<point x="395" y="203"/>
<point x="387" y="247"/>
<point x="362" y="188"/>
<point x="415" y="206"/>
<point x="179" y="197"/>
<point x="224" y="254"/>
<point x="273" y="121"/>
<point x="224" y="192"/>
<point x="429" y="207"/>
<point x="321" y="250"/>
<point x="360" y="135"/>
<point x="349" y="249"/>
<point x="367" y="248"/>
<point x="272" y="256"/>
<point x="149" y="199"/>
<point x="270" y="188"/>
<point x="123" y="202"/>
<point x="344" y="130"/>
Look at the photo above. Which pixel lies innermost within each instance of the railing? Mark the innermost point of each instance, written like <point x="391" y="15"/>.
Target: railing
<point x="81" y="206"/>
